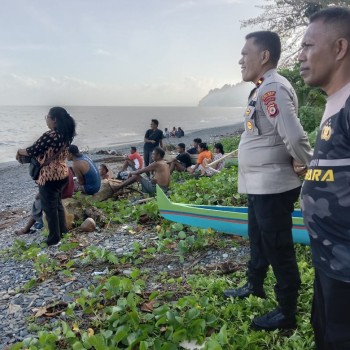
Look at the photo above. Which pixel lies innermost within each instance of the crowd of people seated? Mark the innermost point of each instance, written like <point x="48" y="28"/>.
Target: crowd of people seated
<point x="86" y="177"/>
<point x="175" y="132"/>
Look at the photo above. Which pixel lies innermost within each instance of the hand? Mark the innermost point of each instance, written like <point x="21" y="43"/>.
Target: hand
<point x="299" y="169"/>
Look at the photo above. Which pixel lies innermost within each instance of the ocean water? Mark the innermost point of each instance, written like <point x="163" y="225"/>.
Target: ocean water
<point x="106" y="127"/>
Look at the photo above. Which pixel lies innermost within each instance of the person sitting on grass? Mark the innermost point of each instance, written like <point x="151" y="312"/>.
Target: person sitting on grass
<point x="218" y="153"/>
<point x="194" y="149"/>
<point x="105" y="172"/>
<point x="204" y="157"/>
<point x="161" y="174"/>
<point x="85" y="170"/>
<point x="133" y="160"/>
<point x="182" y="161"/>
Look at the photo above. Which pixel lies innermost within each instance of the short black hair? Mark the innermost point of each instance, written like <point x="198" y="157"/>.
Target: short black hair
<point x="203" y="145"/>
<point x="133" y="148"/>
<point x="160" y="151"/>
<point x="338" y="17"/>
<point x="197" y="140"/>
<point x="74" y="150"/>
<point x="269" y="41"/>
<point x="182" y="145"/>
<point x="155" y="121"/>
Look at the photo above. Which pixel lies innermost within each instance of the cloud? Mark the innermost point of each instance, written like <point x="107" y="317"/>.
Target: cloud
<point x="25" y="81"/>
<point x="70" y="90"/>
<point x="102" y="52"/>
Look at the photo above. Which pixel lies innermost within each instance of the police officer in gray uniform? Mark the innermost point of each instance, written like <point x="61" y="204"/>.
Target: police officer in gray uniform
<point x="273" y="151"/>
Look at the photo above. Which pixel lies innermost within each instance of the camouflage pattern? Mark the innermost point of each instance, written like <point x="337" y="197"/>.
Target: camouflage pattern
<point x="326" y="197"/>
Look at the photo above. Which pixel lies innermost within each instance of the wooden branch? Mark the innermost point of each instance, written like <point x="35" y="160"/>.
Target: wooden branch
<point x="220" y="159"/>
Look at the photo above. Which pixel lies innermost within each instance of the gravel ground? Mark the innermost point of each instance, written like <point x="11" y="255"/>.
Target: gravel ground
<point x="16" y="305"/>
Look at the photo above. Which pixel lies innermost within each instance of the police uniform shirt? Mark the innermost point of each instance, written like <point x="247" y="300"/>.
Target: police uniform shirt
<point x="326" y="190"/>
<point x="273" y="136"/>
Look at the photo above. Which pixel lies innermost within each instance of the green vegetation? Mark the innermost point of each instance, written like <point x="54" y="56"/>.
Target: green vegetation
<point x="121" y="311"/>
<point x="311" y="102"/>
<point x="152" y="307"/>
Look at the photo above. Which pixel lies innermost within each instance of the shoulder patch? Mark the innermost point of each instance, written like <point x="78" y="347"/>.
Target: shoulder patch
<point x="272" y="110"/>
<point x="268" y="97"/>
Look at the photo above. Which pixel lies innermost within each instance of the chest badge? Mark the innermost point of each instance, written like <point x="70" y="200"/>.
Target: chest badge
<point x="326" y="132"/>
<point x="250" y="125"/>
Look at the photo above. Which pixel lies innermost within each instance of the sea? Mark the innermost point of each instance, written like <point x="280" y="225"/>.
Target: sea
<point x="107" y="127"/>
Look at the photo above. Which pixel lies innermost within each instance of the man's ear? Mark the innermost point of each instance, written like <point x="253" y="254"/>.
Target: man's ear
<point x="265" y="57"/>
<point x="342" y="48"/>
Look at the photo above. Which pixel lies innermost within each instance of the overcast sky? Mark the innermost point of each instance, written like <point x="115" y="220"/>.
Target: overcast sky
<point x="119" y="52"/>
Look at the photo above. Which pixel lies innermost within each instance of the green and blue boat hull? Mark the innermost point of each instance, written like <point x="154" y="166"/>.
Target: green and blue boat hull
<point x="230" y="220"/>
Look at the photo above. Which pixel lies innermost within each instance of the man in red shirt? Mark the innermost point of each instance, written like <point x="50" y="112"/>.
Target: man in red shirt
<point x="133" y="160"/>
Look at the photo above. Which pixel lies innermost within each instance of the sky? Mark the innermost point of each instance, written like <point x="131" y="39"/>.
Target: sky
<point x="119" y="52"/>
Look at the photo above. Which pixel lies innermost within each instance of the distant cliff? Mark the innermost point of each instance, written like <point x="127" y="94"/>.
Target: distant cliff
<point x="228" y="96"/>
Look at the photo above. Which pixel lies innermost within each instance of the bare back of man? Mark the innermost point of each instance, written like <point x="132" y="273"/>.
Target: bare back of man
<point x="80" y="168"/>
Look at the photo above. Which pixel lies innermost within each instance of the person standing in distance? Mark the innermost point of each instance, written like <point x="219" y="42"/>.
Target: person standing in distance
<point x="153" y="138"/>
<point x="325" y="62"/>
<point x="273" y="141"/>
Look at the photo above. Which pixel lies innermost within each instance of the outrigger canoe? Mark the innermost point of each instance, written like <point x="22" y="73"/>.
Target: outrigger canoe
<point x="231" y="220"/>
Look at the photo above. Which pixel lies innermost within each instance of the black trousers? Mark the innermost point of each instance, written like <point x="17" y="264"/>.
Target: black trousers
<point x="50" y="195"/>
<point x="271" y="243"/>
<point x="147" y="156"/>
<point x="330" y="315"/>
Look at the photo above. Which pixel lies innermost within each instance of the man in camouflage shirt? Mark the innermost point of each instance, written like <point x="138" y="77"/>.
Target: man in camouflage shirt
<point x="325" y="62"/>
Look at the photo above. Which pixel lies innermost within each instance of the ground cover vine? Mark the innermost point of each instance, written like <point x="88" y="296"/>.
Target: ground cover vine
<point x="126" y="311"/>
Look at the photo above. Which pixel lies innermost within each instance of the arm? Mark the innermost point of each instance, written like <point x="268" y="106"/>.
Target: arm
<point x="148" y="168"/>
<point x="280" y="107"/>
<point x="20" y="153"/>
<point x="146" y="139"/>
<point x="78" y="174"/>
<point x="38" y="147"/>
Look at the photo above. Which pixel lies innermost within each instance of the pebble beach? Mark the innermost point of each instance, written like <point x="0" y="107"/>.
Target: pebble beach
<point x="17" y="193"/>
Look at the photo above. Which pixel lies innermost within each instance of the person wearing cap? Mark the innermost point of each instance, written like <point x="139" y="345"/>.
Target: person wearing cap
<point x="85" y="170"/>
<point x="273" y="151"/>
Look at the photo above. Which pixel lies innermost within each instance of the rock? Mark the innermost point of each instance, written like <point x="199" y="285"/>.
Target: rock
<point x="13" y="309"/>
<point x="88" y="225"/>
<point x="105" y="191"/>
